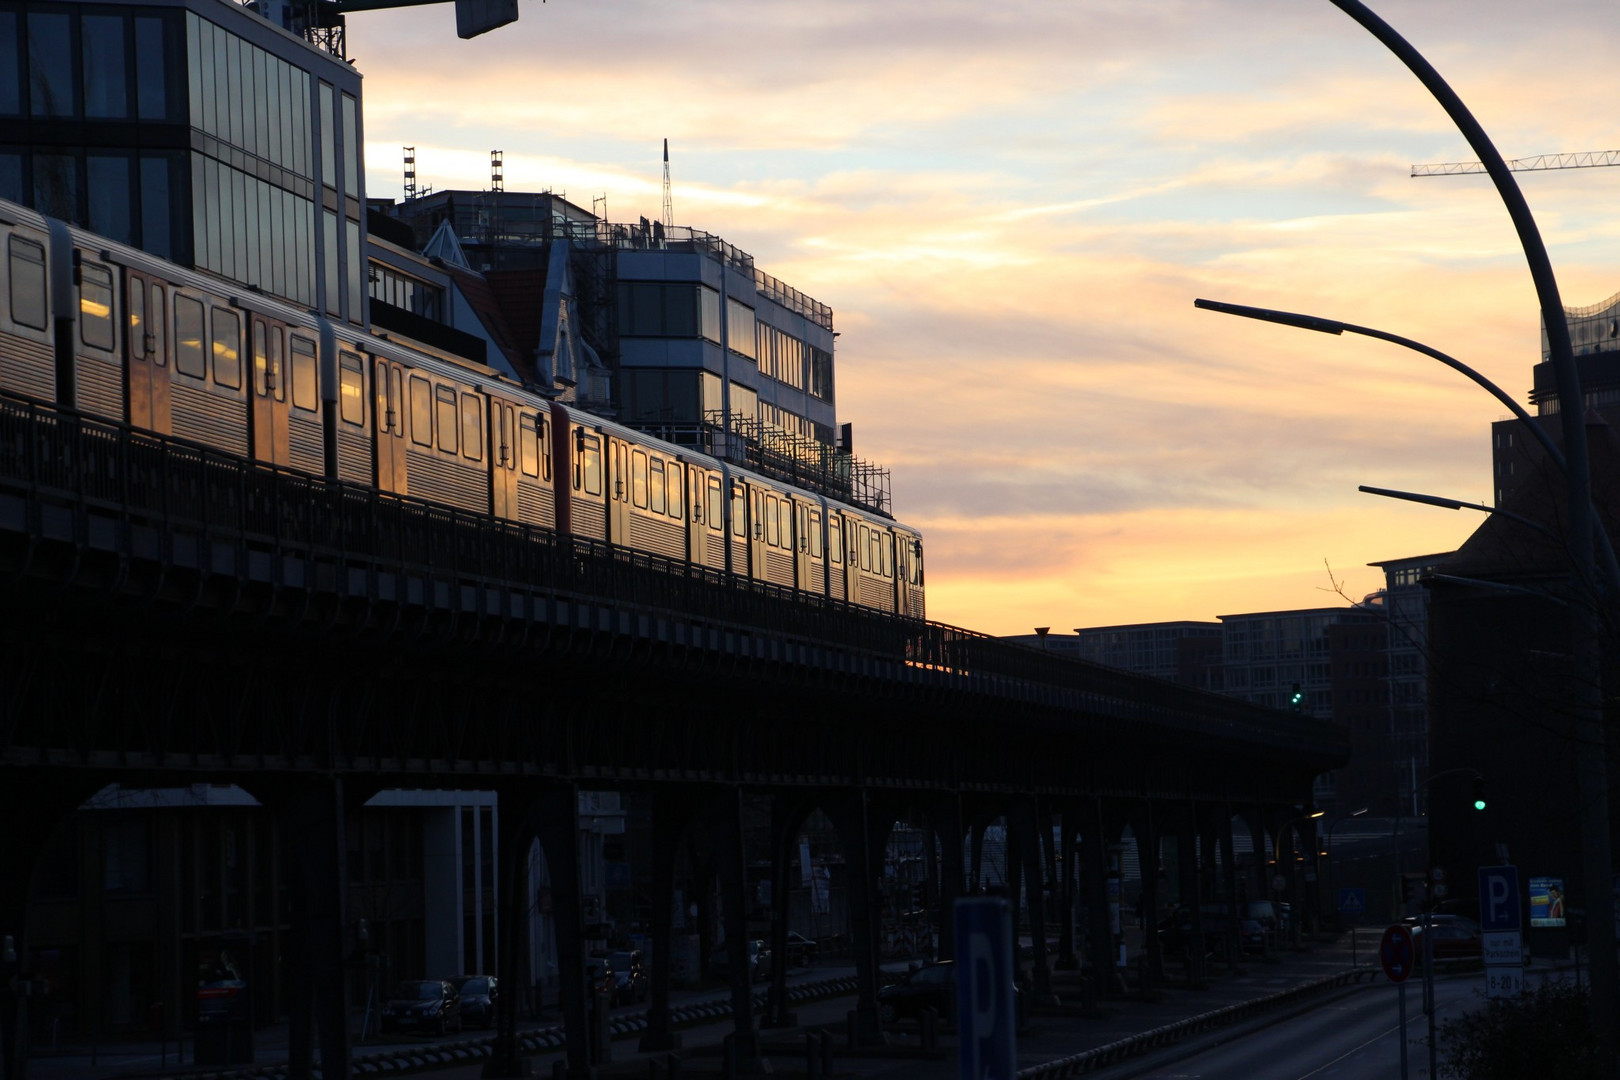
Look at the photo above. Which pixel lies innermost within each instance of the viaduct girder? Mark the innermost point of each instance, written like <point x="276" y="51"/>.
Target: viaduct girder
<point x="177" y="611"/>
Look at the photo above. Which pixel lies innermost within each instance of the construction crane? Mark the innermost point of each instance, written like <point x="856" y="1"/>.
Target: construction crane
<point x="1592" y="159"/>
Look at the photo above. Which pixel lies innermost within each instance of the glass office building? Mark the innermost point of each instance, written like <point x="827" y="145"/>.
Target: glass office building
<point x="198" y="132"/>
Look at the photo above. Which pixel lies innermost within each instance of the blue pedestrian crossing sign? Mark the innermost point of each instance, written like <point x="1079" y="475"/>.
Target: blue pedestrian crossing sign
<point x="1353" y="901"/>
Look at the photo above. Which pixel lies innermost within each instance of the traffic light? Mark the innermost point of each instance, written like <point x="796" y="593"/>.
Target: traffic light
<point x="1479" y="793"/>
<point x="1296" y="701"/>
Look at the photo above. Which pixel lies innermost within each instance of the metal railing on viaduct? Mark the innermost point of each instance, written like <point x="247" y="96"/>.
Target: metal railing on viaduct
<point x="174" y="615"/>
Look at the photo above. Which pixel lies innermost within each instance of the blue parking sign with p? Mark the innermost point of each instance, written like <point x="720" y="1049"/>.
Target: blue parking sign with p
<point x="1499" y="906"/>
<point x="986" y="1018"/>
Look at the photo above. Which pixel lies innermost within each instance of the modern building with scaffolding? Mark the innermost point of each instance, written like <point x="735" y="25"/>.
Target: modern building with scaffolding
<point x="666" y="328"/>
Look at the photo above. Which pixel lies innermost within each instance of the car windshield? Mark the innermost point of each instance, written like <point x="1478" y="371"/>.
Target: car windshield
<point x="620" y="961"/>
<point x="478" y="985"/>
<point x="420" y="991"/>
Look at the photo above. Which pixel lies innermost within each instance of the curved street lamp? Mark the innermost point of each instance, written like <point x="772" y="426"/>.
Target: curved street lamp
<point x="1587" y="703"/>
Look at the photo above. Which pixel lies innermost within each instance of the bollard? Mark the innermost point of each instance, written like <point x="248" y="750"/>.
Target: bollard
<point x="826" y="1052"/>
<point x="811" y="1057"/>
<point x="930" y="1029"/>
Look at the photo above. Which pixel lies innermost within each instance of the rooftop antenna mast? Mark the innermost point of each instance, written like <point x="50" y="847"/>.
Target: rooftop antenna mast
<point x="669" y="210"/>
<point x="410" y="173"/>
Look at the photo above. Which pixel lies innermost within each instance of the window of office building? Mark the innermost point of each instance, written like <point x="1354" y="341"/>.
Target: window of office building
<point x="740" y="333"/>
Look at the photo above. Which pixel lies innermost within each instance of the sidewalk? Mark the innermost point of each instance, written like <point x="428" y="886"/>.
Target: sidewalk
<point x="1085" y="1040"/>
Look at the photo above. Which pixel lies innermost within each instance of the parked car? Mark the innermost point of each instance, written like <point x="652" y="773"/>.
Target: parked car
<point x="1175" y="932"/>
<point x="1453" y="938"/>
<point x="478" y="994"/>
<point x="759" y="961"/>
<point x="800" y="949"/>
<point x="932" y="986"/>
<point x="599" y="977"/>
<point x="630" y="983"/>
<point x="423" y="1005"/>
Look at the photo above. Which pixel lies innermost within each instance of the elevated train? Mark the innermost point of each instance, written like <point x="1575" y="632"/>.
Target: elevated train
<point x="115" y="333"/>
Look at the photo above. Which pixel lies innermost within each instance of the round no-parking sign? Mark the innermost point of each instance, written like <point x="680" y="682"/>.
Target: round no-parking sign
<point x="1396" y="953"/>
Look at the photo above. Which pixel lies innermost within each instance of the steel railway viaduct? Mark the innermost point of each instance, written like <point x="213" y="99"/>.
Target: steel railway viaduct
<point x="177" y="616"/>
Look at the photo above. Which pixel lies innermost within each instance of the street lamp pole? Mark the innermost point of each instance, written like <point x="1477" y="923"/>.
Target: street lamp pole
<point x="1587" y="708"/>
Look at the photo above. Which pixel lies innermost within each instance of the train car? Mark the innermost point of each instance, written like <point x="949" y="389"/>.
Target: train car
<point x="117" y="334"/>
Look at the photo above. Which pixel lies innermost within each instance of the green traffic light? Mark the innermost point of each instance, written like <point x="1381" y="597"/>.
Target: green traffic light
<point x="1479" y="804"/>
<point x="1479" y="793"/>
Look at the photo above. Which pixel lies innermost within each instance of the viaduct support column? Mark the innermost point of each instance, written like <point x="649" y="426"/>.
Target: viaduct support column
<point x="860" y="836"/>
<point x="947" y="818"/>
<point x="734" y="911"/>
<point x="1028" y="820"/>
<point x="516" y="804"/>
<point x="1067" y="959"/>
<point x="671" y="813"/>
<point x="312" y="816"/>
<point x="557" y="816"/>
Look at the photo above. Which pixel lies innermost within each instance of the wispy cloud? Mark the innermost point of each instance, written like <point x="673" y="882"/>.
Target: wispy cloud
<point x="1011" y="208"/>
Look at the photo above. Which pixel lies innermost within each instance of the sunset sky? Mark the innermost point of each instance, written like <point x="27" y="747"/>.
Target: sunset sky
<point x="1011" y="207"/>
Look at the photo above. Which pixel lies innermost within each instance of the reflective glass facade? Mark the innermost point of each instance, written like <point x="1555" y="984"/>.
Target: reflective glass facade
<point x="199" y="136"/>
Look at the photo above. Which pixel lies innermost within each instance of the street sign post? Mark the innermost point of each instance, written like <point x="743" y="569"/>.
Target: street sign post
<point x="1501" y="922"/>
<point x="984" y="989"/>
<point x="1395" y="951"/>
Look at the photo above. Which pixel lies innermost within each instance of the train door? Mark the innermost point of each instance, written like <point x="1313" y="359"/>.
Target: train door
<point x="269" y="396"/>
<point x="621" y="486"/>
<point x="503" y="459"/>
<point x="391" y="452"/>
<point x="801" y="545"/>
<point x="758" y="533"/>
<point x="837" y="549"/>
<point x="696" y="513"/>
<point x="148" y="381"/>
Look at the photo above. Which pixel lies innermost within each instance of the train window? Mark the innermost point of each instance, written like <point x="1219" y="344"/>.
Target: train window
<point x="96" y="306"/>
<point x="227" y="348"/>
<point x="866" y="547"/>
<point x="784" y="511"/>
<point x="591" y="464"/>
<point x="656" y="486"/>
<point x="261" y="359"/>
<point x="638" y="478"/>
<point x="545" y="449"/>
<point x="916" y="562"/>
<point x="677" y="492"/>
<point x="472" y="427"/>
<point x="872" y="547"/>
<point x="739" y="509"/>
<point x="188" y="338"/>
<point x="888" y="555"/>
<point x="351" y="389"/>
<point x="835" y="538"/>
<point x="421" y="411"/>
<point x="137" y="318"/>
<point x="711" y="488"/>
<point x="773" y="529"/>
<point x="304" y="390"/>
<point x="444" y="416"/>
<point x="529" y="444"/>
<point x="27" y="283"/>
<point x="815" y="534"/>
<point x="158" y="328"/>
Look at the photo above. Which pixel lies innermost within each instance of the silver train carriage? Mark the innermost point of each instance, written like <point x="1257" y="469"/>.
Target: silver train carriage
<point x="117" y="334"/>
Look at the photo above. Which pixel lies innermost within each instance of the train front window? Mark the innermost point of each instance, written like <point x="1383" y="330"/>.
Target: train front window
<point x="27" y="283"/>
<point x="96" y="306"/>
<point x="529" y="445"/>
<point x="444" y="415"/>
<point x="472" y="427"/>
<point x="189" y="358"/>
<point x="227" y="349"/>
<point x="304" y="391"/>
<point x="656" y="486"/>
<point x="351" y="389"/>
<point x="715" y="511"/>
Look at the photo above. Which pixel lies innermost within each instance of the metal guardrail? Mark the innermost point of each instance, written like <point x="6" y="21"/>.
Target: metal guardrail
<point x="180" y="495"/>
